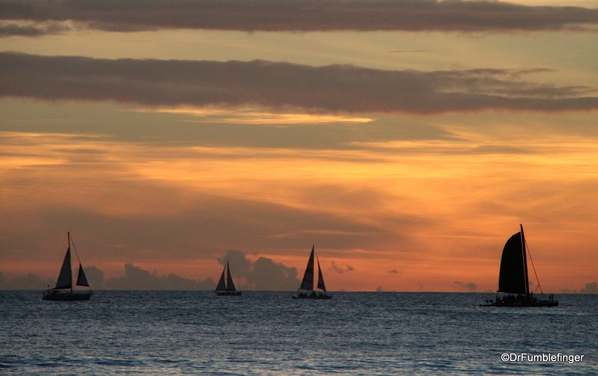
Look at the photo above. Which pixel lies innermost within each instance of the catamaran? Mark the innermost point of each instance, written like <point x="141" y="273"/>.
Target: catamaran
<point x="307" y="285"/>
<point x="513" y="277"/>
<point x="64" y="286"/>
<point x="226" y="287"/>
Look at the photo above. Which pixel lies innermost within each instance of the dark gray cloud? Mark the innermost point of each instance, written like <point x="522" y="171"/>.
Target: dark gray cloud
<point x="332" y="88"/>
<point x="469" y="286"/>
<point x="136" y="278"/>
<point x="29" y="282"/>
<point x="591" y="288"/>
<point x="340" y="269"/>
<point x="264" y="274"/>
<point x="268" y="274"/>
<point x="299" y="15"/>
<point x="32" y="30"/>
<point x="95" y="277"/>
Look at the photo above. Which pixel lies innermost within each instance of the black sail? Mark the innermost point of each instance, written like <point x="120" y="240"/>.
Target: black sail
<point x="308" y="278"/>
<point x="81" y="278"/>
<point x="230" y="285"/>
<point x="513" y="267"/>
<point x="65" y="278"/>
<point x="221" y="283"/>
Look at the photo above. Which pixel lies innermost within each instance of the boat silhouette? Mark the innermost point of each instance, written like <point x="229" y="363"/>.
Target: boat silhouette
<point x="513" y="277"/>
<point x="64" y="285"/>
<point x="307" y="284"/>
<point x="226" y="287"/>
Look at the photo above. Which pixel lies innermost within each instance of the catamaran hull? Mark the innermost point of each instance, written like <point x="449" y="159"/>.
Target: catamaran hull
<point x="542" y="303"/>
<point x="315" y="297"/>
<point x="520" y="301"/>
<point x="228" y="293"/>
<point x="66" y="297"/>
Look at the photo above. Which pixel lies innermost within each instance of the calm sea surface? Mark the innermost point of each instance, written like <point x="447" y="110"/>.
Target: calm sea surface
<point x="260" y="333"/>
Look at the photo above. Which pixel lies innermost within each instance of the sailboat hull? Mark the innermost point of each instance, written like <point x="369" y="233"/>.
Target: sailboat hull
<point x="64" y="296"/>
<point x="315" y="296"/>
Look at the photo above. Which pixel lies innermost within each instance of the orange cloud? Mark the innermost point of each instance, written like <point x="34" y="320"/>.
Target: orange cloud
<point x="413" y="207"/>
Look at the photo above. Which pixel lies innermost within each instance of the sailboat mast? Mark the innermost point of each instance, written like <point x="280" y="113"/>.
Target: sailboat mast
<point x="68" y="235"/>
<point x="227" y="275"/>
<point x="524" y="255"/>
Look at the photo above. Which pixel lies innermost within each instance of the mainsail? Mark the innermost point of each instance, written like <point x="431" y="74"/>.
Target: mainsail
<point x="308" y="277"/>
<point x="513" y="266"/>
<point x="230" y="286"/>
<point x="65" y="278"/>
<point x="221" y="283"/>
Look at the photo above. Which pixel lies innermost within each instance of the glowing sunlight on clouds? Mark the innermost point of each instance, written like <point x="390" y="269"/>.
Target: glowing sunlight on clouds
<point x="166" y="140"/>
<point x="387" y="200"/>
<point x="250" y="116"/>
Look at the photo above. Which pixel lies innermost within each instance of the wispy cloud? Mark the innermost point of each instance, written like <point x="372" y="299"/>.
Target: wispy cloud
<point x="251" y="116"/>
<point x="283" y="86"/>
<point x="291" y="15"/>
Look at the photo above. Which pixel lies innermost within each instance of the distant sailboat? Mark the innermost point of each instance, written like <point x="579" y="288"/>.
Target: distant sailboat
<point x="307" y="285"/>
<point x="226" y="287"/>
<point x="513" y="277"/>
<point x="64" y="286"/>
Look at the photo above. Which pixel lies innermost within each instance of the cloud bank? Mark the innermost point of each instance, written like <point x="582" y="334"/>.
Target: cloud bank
<point x="136" y="278"/>
<point x="467" y="287"/>
<point x="277" y="85"/>
<point x="53" y="16"/>
<point x="264" y="274"/>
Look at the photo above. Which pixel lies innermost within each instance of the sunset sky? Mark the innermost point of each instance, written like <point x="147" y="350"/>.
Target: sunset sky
<point x="406" y="139"/>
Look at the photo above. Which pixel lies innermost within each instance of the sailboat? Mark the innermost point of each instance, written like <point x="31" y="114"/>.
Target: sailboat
<point x="307" y="285"/>
<point x="226" y="287"/>
<point x="513" y="277"/>
<point x="64" y="286"/>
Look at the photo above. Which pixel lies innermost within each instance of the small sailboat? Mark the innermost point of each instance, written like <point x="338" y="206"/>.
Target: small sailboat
<point x="307" y="285"/>
<point x="513" y="277"/>
<point x="64" y="286"/>
<point x="226" y="287"/>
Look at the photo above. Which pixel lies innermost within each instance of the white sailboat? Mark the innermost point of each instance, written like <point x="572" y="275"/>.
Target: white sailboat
<point x="226" y="287"/>
<point x="64" y="285"/>
<point x="307" y="285"/>
<point x="513" y="278"/>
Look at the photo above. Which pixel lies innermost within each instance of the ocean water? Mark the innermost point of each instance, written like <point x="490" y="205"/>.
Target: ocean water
<point x="268" y="333"/>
